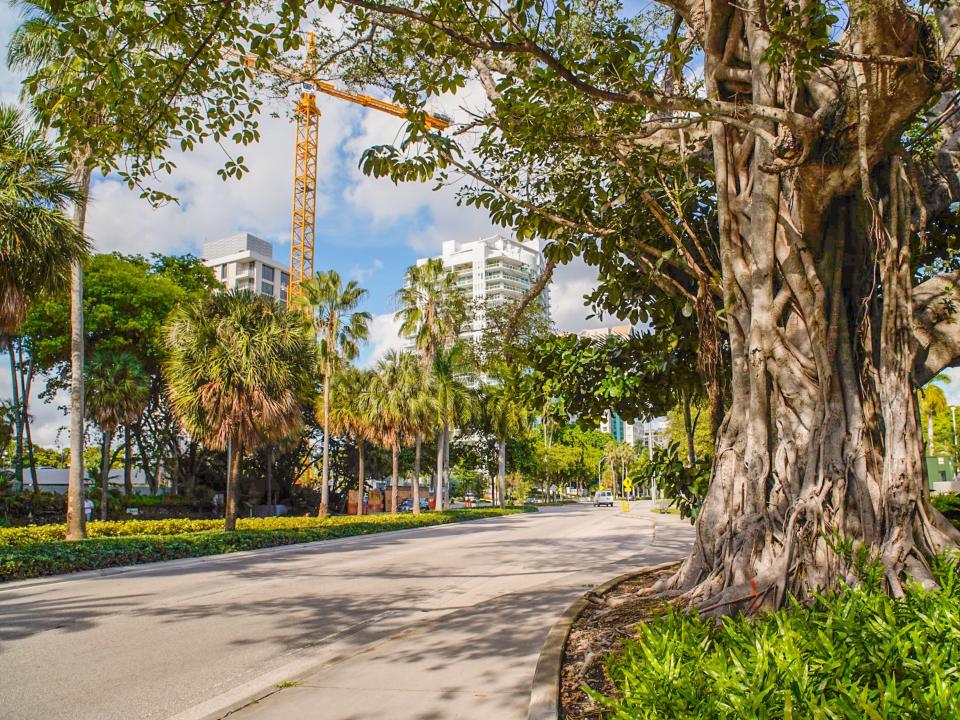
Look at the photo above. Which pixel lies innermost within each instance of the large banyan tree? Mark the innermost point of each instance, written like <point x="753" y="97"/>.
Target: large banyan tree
<point x="824" y="133"/>
<point x="782" y="171"/>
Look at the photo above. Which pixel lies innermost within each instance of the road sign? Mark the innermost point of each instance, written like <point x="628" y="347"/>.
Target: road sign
<point x="627" y="485"/>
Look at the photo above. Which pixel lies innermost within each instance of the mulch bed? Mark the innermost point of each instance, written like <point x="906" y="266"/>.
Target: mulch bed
<point x="600" y="630"/>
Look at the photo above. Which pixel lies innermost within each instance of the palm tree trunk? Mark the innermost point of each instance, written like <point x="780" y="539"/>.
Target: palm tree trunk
<point x="75" y="518"/>
<point x="416" y="475"/>
<point x="360" y="478"/>
<point x="325" y="474"/>
<point x="438" y="490"/>
<point x="446" y="465"/>
<point x="393" y="481"/>
<point x="26" y="384"/>
<point x="932" y="450"/>
<point x="502" y="471"/>
<point x="230" y="520"/>
<point x="105" y="474"/>
<point x="127" y="463"/>
<point x="270" y="475"/>
<point x="18" y="416"/>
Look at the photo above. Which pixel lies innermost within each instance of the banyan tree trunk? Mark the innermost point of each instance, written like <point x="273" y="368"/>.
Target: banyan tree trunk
<point x="821" y="447"/>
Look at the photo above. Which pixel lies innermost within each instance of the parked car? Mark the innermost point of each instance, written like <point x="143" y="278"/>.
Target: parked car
<point x="407" y="505"/>
<point x="603" y="497"/>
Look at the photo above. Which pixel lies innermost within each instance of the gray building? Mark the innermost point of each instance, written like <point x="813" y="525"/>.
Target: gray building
<point x="245" y="262"/>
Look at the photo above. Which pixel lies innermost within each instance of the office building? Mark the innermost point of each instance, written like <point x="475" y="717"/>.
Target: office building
<point x="245" y="262"/>
<point x="492" y="270"/>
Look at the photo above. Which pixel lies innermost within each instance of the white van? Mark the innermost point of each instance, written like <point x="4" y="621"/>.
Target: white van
<point x="603" y="497"/>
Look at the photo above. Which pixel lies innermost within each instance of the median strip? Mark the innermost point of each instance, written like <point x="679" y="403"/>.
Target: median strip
<point x="39" y="551"/>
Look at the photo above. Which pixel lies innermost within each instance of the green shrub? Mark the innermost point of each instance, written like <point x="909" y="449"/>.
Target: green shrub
<point x="946" y="503"/>
<point x="856" y="654"/>
<point x="140" y="541"/>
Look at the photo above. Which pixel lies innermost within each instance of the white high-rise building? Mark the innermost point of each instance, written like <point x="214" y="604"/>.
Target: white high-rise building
<point x="245" y="262"/>
<point x="492" y="270"/>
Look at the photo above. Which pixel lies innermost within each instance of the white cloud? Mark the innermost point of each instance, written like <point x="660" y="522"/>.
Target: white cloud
<point x="384" y="336"/>
<point x="567" y="305"/>
<point x="47" y="419"/>
<point x="210" y="208"/>
<point x="362" y="273"/>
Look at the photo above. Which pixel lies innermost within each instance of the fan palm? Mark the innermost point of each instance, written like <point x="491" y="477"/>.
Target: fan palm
<point x="117" y="390"/>
<point x="455" y="403"/>
<point x="389" y="400"/>
<point x="507" y="418"/>
<point x="349" y="415"/>
<point x="340" y="329"/>
<point x="239" y="370"/>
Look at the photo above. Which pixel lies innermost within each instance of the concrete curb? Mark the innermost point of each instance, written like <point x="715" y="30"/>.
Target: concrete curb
<point x="545" y="691"/>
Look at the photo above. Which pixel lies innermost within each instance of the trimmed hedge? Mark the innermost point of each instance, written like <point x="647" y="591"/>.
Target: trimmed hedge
<point x="856" y="654"/>
<point x="134" y="542"/>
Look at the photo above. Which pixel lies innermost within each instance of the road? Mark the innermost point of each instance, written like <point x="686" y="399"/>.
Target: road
<point x="427" y="624"/>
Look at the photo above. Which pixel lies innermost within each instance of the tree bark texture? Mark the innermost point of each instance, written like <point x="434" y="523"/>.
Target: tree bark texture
<point x="361" y="481"/>
<point x="75" y="517"/>
<point x="18" y="416"/>
<point x="233" y="487"/>
<point x="821" y="440"/>
<point x="325" y="474"/>
<point x="415" y="487"/>
<point x="438" y="501"/>
<point x="394" y="477"/>
<point x="127" y="463"/>
<point x="502" y="470"/>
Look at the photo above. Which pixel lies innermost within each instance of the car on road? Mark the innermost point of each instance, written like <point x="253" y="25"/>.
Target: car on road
<point x="407" y="505"/>
<point x="603" y="497"/>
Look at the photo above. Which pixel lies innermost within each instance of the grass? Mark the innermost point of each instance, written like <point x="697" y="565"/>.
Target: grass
<point x="39" y="551"/>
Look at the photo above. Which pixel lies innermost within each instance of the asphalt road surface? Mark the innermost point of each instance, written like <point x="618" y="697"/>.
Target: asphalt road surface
<point x="427" y="624"/>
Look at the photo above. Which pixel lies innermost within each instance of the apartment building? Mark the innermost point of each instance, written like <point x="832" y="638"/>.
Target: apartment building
<point x="245" y="262"/>
<point x="492" y="270"/>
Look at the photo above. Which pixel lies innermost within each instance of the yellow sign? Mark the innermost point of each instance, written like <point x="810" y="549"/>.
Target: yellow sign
<point x="627" y="485"/>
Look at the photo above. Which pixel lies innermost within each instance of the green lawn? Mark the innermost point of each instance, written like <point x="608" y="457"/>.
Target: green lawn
<point x="40" y="550"/>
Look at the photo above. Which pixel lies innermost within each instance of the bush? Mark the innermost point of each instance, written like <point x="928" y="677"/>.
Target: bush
<point x="947" y="503"/>
<point x="855" y="654"/>
<point x="37" y="551"/>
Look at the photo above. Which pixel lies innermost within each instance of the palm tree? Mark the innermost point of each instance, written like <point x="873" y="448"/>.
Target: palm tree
<point x="239" y="370"/>
<point x="117" y="390"/>
<point x="933" y="402"/>
<point x="455" y="403"/>
<point x="339" y="328"/>
<point x="423" y="416"/>
<point x="432" y="308"/>
<point x="349" y="415"/>
<point x="395" y="382"/>
<point x="506" y="418"/>
<point x="34" y="48"/>
<point x="38" y="243"/>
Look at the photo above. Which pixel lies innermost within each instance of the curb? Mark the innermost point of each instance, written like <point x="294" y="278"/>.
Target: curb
<point x="545" y="691"/>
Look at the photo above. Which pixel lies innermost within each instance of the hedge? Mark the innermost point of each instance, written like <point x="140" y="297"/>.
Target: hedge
<point x="855" y="654"/>
<point x="134" y="542"/>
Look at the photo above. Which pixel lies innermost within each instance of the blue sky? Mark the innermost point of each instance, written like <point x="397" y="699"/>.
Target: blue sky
<point x="367" y="229"/>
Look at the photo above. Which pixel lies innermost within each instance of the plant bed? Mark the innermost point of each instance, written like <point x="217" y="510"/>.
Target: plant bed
<point x="23" y="555"/>
<point x="599" y="631"/>
<point x="853" y="654"/>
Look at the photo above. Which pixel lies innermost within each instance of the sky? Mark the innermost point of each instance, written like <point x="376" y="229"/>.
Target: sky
<point x="367" y="229"/>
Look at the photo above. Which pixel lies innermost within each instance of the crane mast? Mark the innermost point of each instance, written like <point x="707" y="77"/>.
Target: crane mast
<point x="303" y="226"/>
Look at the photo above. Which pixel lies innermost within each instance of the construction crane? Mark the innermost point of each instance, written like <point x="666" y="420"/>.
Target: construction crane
<point x="303" y="226"/>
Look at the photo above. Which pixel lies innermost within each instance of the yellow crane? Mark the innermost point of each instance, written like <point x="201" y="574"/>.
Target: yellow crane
<point x="303" y="227"/>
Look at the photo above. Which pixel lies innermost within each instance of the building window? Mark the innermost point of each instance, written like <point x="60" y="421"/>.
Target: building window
<point x="266" y="288"/>
<point x="284" y="279"/>
<point x="268" y="273"/>
<point x="222" y="272"/>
